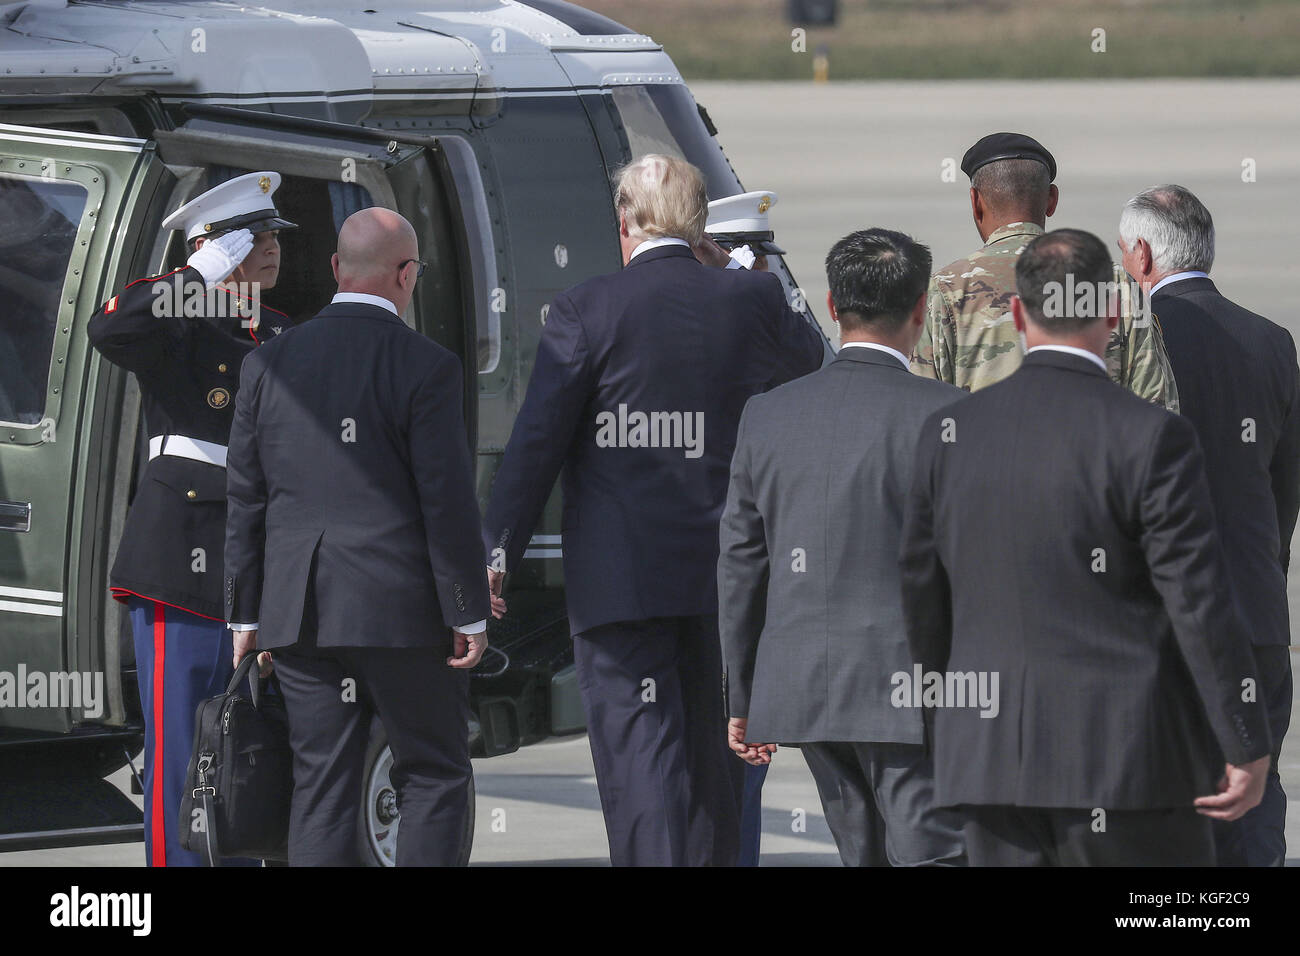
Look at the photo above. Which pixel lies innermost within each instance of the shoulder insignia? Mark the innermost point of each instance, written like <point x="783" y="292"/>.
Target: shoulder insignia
<point x="111" y="306"/>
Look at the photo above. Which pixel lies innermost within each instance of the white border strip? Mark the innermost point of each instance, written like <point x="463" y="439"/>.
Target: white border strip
<point x="32" y="593"/>
<point x="49" y="610"/>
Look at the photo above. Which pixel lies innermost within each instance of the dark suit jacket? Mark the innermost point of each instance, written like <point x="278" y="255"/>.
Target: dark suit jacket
<point x="1233" y="365"/>
<point x="375" y="541"/>
<point x="1063" y="538"/>
<point x="665" y="335"/>
<point x="808" y="591"/>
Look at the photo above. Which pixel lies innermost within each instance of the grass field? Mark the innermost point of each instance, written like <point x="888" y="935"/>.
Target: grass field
<point x="947" y="39"/>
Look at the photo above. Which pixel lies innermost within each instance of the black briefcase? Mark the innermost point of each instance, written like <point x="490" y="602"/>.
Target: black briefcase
<point x="240" y="779"/>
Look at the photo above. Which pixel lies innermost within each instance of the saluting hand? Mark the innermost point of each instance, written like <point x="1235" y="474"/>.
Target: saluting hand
<point x="217" y="258"/>
<point x="467" y="649"/>
<point x="1240" y="790"/>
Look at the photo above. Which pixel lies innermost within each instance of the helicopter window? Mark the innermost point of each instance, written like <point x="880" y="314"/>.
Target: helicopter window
<point x="663" y="118"/>
<point x="41" y="218"/>
<point x="306" y="283"/>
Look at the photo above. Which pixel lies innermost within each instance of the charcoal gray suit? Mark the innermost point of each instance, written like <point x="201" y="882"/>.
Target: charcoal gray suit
<point x="810" y="615"/>
<point x="1059" y="533"/>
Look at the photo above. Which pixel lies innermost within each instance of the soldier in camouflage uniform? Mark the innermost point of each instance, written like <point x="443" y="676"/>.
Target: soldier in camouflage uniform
<point x="969" y="339"/>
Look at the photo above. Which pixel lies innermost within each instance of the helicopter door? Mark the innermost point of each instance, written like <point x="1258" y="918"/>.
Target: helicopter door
<point x="66" y="201"/>
<point x="329" y="170"/>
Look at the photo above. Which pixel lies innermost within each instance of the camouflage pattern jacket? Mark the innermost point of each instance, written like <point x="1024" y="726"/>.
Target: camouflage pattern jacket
<point x="971" y="341"/>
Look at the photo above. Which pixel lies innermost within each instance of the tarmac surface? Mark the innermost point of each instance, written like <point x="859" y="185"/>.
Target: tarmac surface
<point x="848" y="156"/>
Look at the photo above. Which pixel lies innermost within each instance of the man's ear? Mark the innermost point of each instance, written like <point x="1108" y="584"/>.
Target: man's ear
<point x="918" y="311"/>
<point x="1145" y="260"/>
<point x="1018" y="313"/>
<point x="622" y="224"/>
<point x="198" y="243"/>
<point x="334" y="266"/>
<point x="976" y="205"/>
<point x="830" y="307"/>
<point x="1053" y="197"/>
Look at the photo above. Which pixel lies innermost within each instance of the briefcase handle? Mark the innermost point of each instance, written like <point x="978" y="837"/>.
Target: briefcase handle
<point x="247" y="669"/>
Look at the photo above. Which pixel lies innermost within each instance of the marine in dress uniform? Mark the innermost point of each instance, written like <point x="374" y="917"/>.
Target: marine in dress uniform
<point x="969" y="339"/>
<point x="740" y="225"/>
<point x="184" y="335"/>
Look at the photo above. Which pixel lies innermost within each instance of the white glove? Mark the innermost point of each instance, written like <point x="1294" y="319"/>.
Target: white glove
<point x="741" y="258"/>
<point x="219" y="257"/>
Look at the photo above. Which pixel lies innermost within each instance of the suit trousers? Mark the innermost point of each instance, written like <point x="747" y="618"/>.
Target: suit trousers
<point x="1051" y="836"/>
<point x="1258" y="838"/>
<point x="424" y="707"/>
<point x="879" y="803"/>
<point x="669" y="787"/>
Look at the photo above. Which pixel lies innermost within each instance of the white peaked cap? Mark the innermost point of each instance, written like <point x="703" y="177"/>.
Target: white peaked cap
<point x="244" y="202"/>
<point x="744" y="213"/>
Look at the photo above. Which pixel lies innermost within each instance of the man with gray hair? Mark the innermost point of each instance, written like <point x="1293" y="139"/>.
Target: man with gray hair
<point x="1240" y="387"/>
<point x="636" y="393"/>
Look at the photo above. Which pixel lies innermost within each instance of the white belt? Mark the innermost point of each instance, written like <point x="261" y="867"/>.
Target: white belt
<point x="181" y="447"/>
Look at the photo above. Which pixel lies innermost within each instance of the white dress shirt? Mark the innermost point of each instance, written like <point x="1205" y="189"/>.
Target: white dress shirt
<point x="655" y="244"/>
<point x="365" y="298"/>
<point x="1177" y="277"/>
<point x="880" y="348"/>
<point x="1071" y="350"/>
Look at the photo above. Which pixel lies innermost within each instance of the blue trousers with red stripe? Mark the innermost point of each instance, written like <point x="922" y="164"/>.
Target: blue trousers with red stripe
<point x="181" y="660"/>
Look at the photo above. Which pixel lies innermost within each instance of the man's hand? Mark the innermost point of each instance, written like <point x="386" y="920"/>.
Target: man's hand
<point x="467" y="649"/>
<point x="217" y="258"/>
<point x="756" y="754"/>
<point x="495" y="580"/>
<point x="1240" y="790"/>
<point x="245" y="642"/>
<point x="710" y="253"/>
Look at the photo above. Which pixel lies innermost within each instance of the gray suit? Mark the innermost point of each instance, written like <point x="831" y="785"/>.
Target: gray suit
<point x="810" y="612"/>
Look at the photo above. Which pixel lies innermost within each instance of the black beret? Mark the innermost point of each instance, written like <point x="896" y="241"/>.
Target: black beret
<point x="996" y="146"/>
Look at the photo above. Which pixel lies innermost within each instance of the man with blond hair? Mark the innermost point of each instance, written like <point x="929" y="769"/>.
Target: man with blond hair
<point x="636" y="394"/>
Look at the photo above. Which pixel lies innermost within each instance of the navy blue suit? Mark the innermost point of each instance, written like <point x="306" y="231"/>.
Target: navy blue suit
<point x="684" y="345"/>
